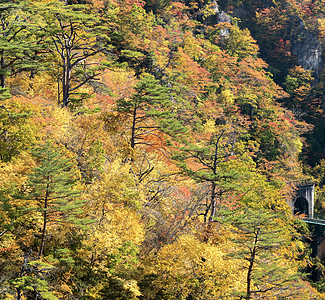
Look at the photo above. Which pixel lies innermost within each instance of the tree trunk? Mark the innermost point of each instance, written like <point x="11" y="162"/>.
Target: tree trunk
<point x="26" y="255"/>
<point x="251" y="265"/>
<point x="2" y="75"/>
<point x="134" y="117"/>
<point x="66" y="86"/>
<point x="213" y="202"/>
<point x="18" y="294"/>
<point x="2" y="60"/>
<point x="40" y="253"/>
<point x="213" y="185"/>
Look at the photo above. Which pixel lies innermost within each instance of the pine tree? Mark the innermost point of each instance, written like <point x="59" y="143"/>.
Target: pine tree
<point x="263" y="240"/>
<point x="207" y="156"/>
<point x="50" y="206"/>
<point x="52" y="185"/>
<point x="151" y="111"/>
<point x="75" y="35"/>
<point x="19" y="44"/>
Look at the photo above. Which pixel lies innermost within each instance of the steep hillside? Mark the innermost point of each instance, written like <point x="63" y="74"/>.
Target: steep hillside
<point x="148" y="148"/>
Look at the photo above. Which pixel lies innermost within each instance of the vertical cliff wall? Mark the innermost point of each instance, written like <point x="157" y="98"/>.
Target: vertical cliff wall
<point x="306" y="46"/>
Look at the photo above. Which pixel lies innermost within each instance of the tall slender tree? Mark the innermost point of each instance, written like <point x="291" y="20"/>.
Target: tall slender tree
<point x="151" y="112"/>
<point x="206" y="156"/>
<point x="75" y="35"/>
<point x="52" y="185"/>
<point x="263" y="238"/>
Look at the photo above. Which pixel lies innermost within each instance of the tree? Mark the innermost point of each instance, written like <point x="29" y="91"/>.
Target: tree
<point x="50" y="198"/>
<point x="238" y="43"/>
<point x="192" y="269"/>
<point x="41" y="196"/>
<point x="263" y="238"/>
<point x="107" y="260"/>
<point x="205" y="158"/>
<point x="76" y="36"/>
<point x="20" y="47"/>
<point x="52" y="184"/>
<point x="150" y="109"/>
<point x="16" y="228"/>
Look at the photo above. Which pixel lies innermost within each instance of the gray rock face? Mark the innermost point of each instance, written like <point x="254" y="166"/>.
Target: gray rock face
<point x="223" y="17"/>
<point x="215" y="6"/>
<point x="308" y="51"/>
<point x="220" y="17"/>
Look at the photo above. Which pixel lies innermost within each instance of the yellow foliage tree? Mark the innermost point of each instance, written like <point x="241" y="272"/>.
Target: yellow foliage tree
<point x="191" y="268"/>
<point x="110" y="247"/>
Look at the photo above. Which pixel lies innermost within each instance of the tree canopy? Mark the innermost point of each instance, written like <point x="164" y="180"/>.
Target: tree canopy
<point x="149" y="149"/>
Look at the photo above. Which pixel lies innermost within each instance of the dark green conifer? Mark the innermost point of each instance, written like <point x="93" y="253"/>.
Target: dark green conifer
<point x="262" y="237"/>
<point x="53" y="186"/>
<point x="75" y="35"/>
<point x="152" y="110"/>
<point x="20" y="49"/>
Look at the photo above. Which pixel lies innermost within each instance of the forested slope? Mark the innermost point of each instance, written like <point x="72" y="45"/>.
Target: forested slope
<point x="147" y="148"/>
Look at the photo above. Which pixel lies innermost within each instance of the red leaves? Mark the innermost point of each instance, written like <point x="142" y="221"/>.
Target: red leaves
<point x="190" y="72"/>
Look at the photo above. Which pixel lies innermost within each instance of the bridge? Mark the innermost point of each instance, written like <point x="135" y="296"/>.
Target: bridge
<point x="303" y="203"/>
<point x="303" y="200"/>
<point x="317" y="220"/>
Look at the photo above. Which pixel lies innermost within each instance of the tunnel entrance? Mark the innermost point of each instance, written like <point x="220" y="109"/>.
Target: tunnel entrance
<point x="301" y="206"/>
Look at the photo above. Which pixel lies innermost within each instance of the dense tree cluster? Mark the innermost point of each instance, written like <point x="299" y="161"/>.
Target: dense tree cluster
<point x="145" y="151"/>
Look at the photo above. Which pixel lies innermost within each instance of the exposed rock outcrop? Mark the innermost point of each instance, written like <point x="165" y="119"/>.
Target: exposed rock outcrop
<point x="220" y="17"/>
<point x="308" y="50"/>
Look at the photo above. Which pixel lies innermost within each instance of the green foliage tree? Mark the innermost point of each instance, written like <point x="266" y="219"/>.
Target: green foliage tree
<point x="53" y="186"/>
<point x="52" y="195"/>
<point x="18" y="39"/>
<point x="76" y="36"/>
<point x="263" y="239"/>
<point x="151" y="111"/>
<point x="219" y="141"/>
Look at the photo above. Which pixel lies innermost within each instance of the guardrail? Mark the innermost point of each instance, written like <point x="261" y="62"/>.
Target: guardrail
<point x="314" y="221"/>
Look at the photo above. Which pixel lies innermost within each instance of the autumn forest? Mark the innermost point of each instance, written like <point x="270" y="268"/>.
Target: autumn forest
<point x="149" y="149"/>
